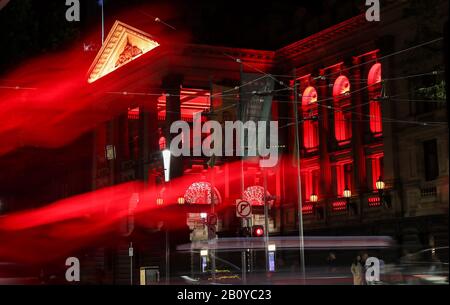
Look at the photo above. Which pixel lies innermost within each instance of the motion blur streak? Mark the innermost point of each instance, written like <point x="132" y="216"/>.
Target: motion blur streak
<point x="62" y="227"/>
<point x="46" y="101"/>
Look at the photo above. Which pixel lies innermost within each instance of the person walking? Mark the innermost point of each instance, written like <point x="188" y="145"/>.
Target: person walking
<point x="357" y="270"/>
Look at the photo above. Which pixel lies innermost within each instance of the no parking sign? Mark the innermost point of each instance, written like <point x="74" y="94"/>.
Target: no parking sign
<point x="243" y="209"/>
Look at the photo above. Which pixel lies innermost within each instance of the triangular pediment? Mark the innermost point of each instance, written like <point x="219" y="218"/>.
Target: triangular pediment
<point x="123" y="44"/>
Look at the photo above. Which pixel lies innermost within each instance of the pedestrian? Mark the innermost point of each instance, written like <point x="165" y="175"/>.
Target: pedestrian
<point x="331" y="261"/>
<point x="357" y="270"/>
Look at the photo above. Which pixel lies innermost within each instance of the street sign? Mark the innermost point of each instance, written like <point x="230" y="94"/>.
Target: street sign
<point x="243" y="209"/>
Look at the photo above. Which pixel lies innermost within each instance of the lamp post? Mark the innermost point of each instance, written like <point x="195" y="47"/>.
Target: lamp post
<point x="180" y="200"/>
<point x="347" y="195"/>
<point x="166" y="159"/>
<point x="380" y="185"/>
<point x="313" y="198"/>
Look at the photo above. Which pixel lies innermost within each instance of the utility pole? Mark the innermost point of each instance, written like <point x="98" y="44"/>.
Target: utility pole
<point x="266" y="220"/>
<point x="211" y="164"/>
<point x="299" y="186"/>
<point x="103" y="22"/>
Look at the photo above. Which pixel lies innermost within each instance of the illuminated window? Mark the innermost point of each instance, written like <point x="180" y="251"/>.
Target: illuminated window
<point x="133" y="113"/>
<point x="310" y="126"/>
<point x="342" y="116"/>
<point x="376" y="166"/>
<point x="310" y="183"/>
<point x="344" y="177"/>
<point x="341" y="87"/>
<point x="374" y="83"/>
<point x="309" y="96"/>
<point x="342" y="125"/>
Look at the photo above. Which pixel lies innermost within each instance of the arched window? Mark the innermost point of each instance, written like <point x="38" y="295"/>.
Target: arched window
<point x="162" y="143"/>
<point x="200" y="193"/>
<point x="255" y="195"/>
<point x="342" y="117"/>
<point x="310" y="125"/>
<point x="374" y="84"/>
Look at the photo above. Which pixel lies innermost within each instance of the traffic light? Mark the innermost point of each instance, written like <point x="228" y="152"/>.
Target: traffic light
<point x="257" y="231"/>
<point x="245" y="232"/>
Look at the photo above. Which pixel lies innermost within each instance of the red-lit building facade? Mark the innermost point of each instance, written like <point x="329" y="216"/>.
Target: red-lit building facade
<point x="351" y="133"/>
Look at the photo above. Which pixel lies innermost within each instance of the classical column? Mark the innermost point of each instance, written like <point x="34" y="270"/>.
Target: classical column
<point x="171" y="85"/>
<point x="358" y="127"/>
<point x="326" y="137"/>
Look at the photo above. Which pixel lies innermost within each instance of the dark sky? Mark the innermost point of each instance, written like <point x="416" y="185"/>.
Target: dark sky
<point x="32" y="27"/>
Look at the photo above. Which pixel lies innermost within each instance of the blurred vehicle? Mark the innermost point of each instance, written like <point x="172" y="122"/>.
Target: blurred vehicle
<point x="425" y="267"/>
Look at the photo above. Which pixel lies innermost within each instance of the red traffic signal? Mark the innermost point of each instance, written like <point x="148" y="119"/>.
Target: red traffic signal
<point x="257" y="231"/>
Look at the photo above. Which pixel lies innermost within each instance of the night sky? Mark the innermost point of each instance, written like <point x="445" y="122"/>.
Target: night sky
<point x="32" y="27"/>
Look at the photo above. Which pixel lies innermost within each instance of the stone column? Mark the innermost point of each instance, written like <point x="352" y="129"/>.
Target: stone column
<point x="171" y="85"/>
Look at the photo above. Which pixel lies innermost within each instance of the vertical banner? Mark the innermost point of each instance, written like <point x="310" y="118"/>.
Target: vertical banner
<point x="256" y="101"/>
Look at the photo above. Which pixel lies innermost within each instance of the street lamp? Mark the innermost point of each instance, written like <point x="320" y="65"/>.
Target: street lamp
<point x="347" y="195"/>
<point x="313" y="198"/>
<point x="180" y="200"/>
<point x="166" y="160"/>
<point x="380" y="184"/>
<point x="385" y="200"/>
<point x="159" y="201"/>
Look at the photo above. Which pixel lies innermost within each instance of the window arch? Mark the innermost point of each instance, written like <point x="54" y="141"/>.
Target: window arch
<point x="341" y="86"/>
<point x="374" y="84"/>
<point x="374" y="75"/>
<point x="309" y="96"/>
<point x="255" y="195"/>
<point x="310" y="126"/>
<point x="200" y="193"/>
<point x="162" y="143"/>
<point x="342" y="118"/>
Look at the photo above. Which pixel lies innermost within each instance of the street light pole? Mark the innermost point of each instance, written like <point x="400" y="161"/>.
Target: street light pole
<point x="266" y="219"/>
<point x="299" y="186"/>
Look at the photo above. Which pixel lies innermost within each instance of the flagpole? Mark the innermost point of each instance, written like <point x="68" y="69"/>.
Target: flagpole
<point x="103" y="23"/>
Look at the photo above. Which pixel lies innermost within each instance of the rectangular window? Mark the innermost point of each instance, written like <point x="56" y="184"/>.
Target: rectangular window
<point x="310" y="134"/>
<point x="342" y="125"/>
<point x="376" y="169"/>
<point x="375" y="117"/>
<point x="344" y="173"/>
<point x="431" y="160"/>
